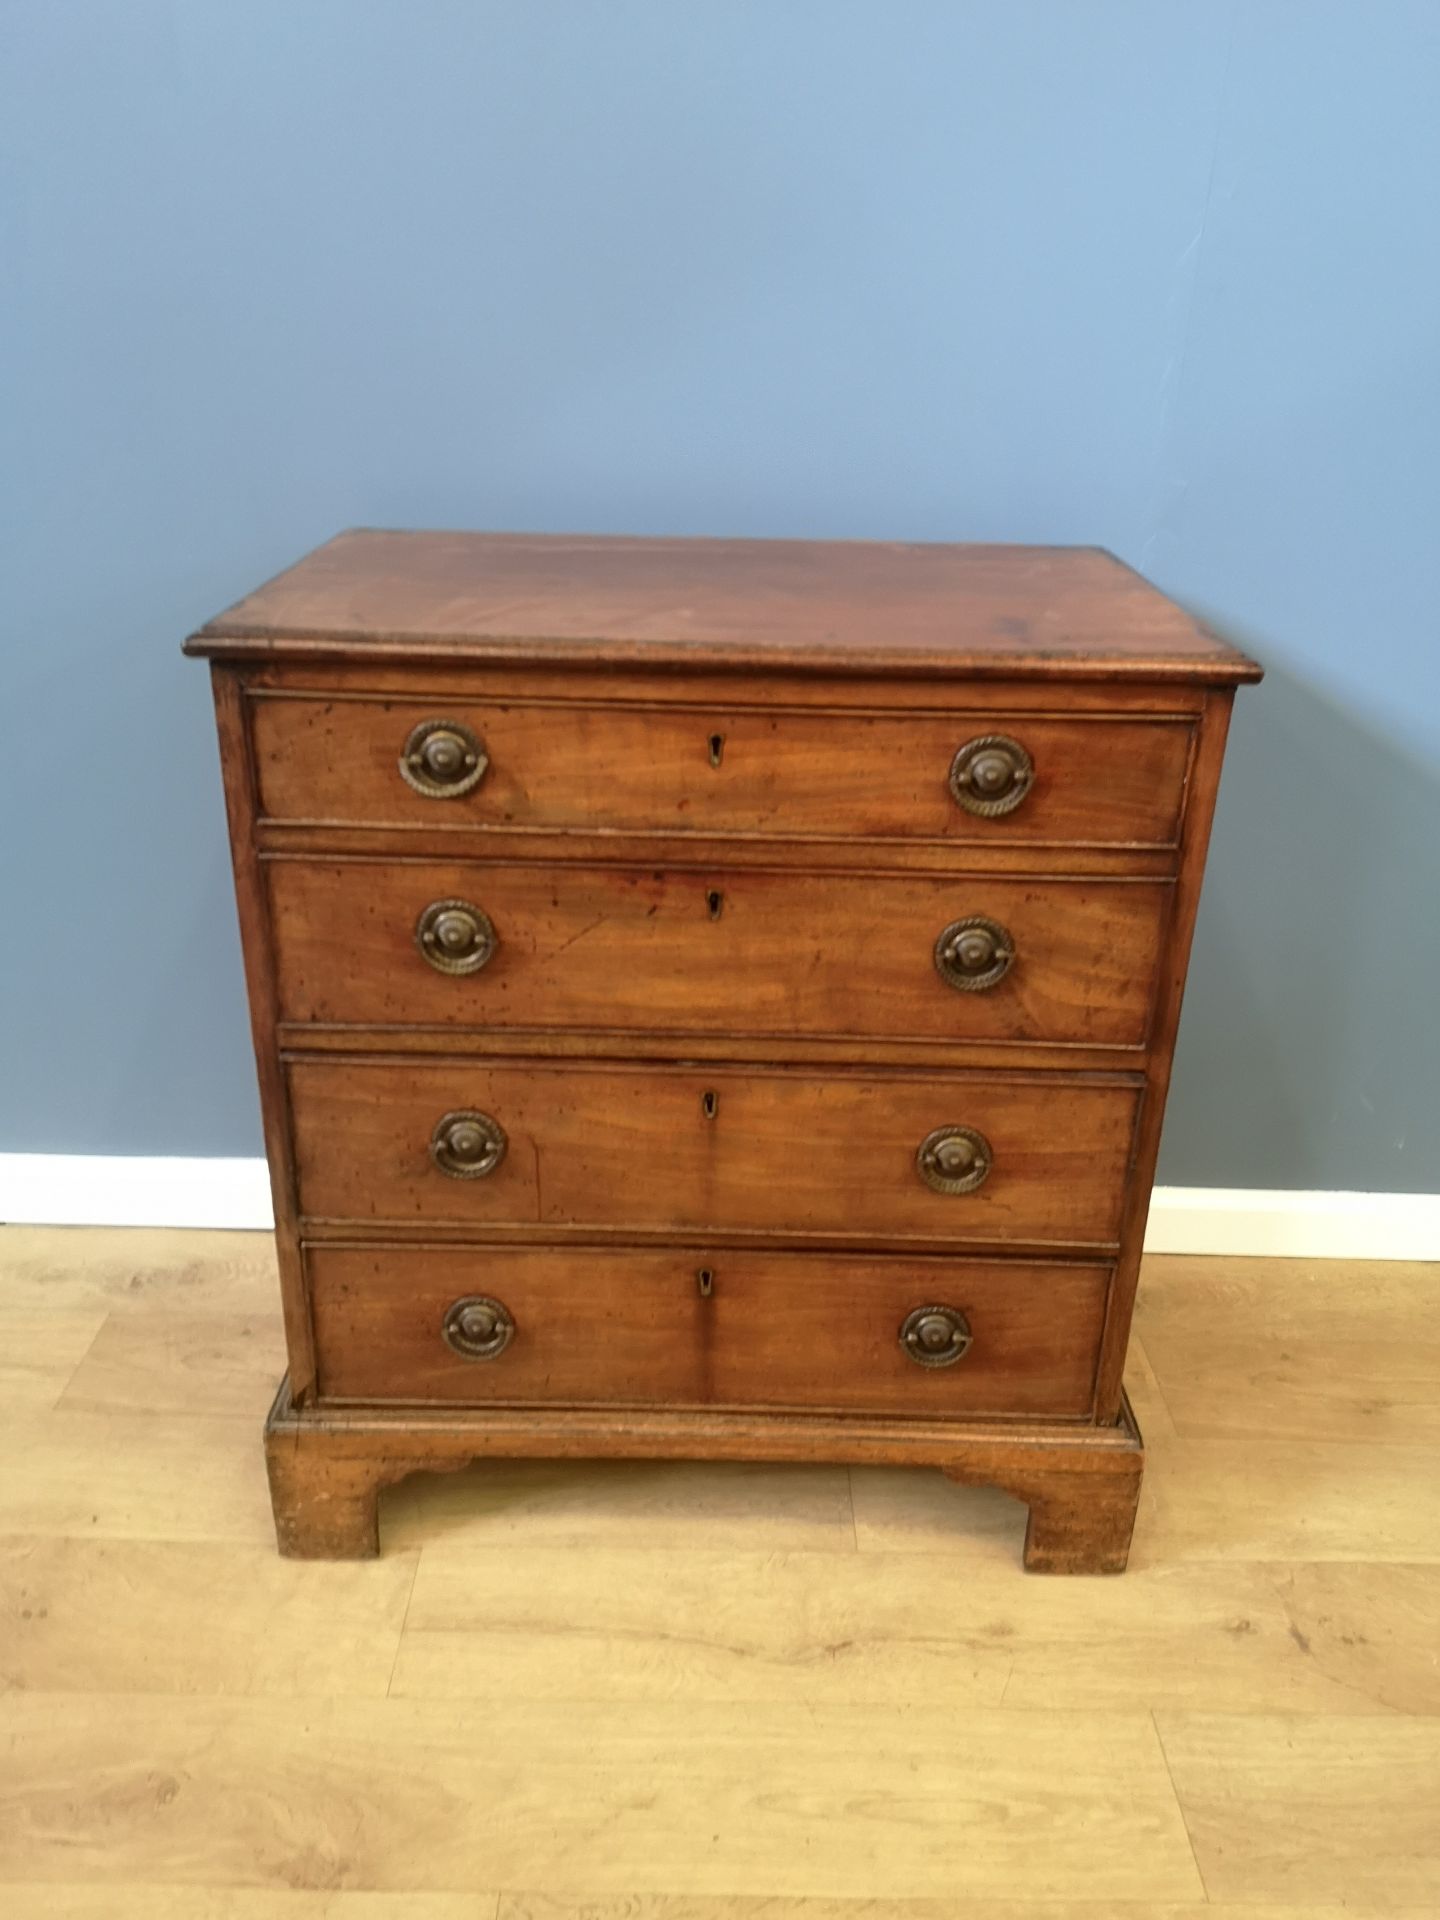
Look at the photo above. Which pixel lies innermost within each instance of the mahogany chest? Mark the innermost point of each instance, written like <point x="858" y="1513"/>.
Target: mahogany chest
<point x="713" y="999"/>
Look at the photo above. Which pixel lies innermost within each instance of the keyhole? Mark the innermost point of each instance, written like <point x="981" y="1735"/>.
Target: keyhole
<point x="717" y="748"/>
<point x="715" y="901"/>
<point x="705" y="1280"/>
<point x="709" y="1103"/>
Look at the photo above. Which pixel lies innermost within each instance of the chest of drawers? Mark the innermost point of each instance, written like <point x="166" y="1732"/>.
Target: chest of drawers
<point x="713" y="999"/>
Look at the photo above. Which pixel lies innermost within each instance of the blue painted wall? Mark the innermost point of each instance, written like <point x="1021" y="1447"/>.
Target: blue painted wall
<point x="1160" y="277"/>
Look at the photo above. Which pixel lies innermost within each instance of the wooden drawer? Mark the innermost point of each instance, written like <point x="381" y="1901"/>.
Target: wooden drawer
<point x="717" y="951"/>
<point x="776" y="1330"/>
<point x="774" y="772"/>
<point x="666" y="1149"/>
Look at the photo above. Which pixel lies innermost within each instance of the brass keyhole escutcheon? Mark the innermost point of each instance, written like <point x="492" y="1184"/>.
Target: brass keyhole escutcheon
<point x="714" y="903"/>
<point x="974" y="954"/>
<point x="991" y="775"/>
<point x="479" y="1327"/>
<point x="468" y="1144"/>
<point x="935" y="1336"/>
<point x="709" y="1103"/>
<point x="455" y="936"/>
<point x="443" y="759"/>
<point x="705" y="1281"/>
<point x="716" y="748"/>
<point x="954" y="1159"/>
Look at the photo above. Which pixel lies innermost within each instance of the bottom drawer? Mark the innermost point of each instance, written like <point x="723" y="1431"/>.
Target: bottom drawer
<point x="515" y="1326"/>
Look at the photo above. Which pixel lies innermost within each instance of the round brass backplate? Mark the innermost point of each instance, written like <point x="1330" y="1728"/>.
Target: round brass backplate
<point x="468" y="1145"/>
<point x="991" y="775"/>
<point x="935" y="1336"/>
<point x="443" y="759"/>
<point x="974" y="954"/>
<point x="455" y="936"/>
<point x="954" y="1159"/>
<point x="479" y="1327"/>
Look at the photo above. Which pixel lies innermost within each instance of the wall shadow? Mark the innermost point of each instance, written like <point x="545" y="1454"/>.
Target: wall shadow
<point x="1309" y="1049"/>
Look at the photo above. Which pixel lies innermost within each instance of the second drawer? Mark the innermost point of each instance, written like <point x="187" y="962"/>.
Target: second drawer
<point x="377" y="943"/>
<point x="674" y="1149"/>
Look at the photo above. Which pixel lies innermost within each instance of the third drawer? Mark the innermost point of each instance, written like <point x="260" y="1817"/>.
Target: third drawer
<point x="547" y="945"/>
<point x="782" y="1152"/>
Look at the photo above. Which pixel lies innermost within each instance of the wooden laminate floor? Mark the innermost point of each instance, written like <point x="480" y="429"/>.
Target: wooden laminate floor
<point x="660" y="1692"/>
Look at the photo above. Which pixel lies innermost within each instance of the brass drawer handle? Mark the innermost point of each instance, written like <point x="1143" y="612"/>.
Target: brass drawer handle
<point x="935" y="1336"/>
<point x="974" y="954"/>
<point x="455" y="937"/>
<point x="991" y="775"/>
<point x="479" y="1327"/>
<point x="954" y="1159"/>
<point x="443" y="759"/>
<point x="468" y="1145"/>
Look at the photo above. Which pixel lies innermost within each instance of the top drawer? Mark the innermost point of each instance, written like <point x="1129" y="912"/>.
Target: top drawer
<point x="776" y="772"/>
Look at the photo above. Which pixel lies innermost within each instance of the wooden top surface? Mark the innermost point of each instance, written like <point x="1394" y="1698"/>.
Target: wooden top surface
<point x="850" y="607"/>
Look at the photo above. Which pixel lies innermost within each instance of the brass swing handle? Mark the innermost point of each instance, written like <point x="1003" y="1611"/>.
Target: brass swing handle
<point x="479" y="1327"/>
<point x="443" y="759"/>
<point x="468" y="1145"/>
<point x="455" y="936"/>
<point x="954" y="1159"/>
<point x="935" y="1336"/>
<point x="991" y="775"/>
<point x="974" y="954"/>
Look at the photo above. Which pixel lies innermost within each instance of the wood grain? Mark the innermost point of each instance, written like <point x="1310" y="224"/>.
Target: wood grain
<point x="367" y="676"/>
<point x="782" y="1330"/>
<point x="169" y="1746"/>
<point x="257" y="946"/>
<point x="40" y="1348"/>
<point x="860" y="607"/>
<point x="92" y="1270"/>
<point x="1275" y="1347"/>
<point x="780" y="772"/>
<point x="136" y="1476"/>
<point x="634" y="1044"/>
<point x="1316" y="1809"/>
<point x="817" y="853"/>
<point x="186" y="1361"/>
<point x="633" y="1149"/>
<point x="717" y="950"/>
<point x="430" y="1795"/>
<point x="49" y="1901"/>
<point x="1259" y="1497"/>
<point x="1222" y="1500"/>
<point x="562" y="1906"/>
<point x="328" y="1463"/>
<point x="895" y="1629"/>
<point x="684" y="698"/>
<point x="99" y="1616"/>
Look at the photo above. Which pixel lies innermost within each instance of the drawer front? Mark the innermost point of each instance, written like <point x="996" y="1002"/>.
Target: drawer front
<point x="776" y="772"/>
<point x="681" y="1149"/>
<point x="488" y="1325"/>
<point x="720" y="951"/>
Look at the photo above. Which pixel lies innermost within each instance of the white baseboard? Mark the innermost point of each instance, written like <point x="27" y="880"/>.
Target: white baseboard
<point x="81" y="1190"/>
<point x="121" y="1190"/>
<point x="1295" y="1226"/>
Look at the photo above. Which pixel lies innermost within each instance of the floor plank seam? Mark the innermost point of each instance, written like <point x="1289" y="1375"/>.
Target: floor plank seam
<point x="1138" y="1339"/>
<point x="56" y="1404"/>
<point x="1205" y="1892"/>
<point x="1009" y="1676"/>
<point x="404" y="1622"/>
